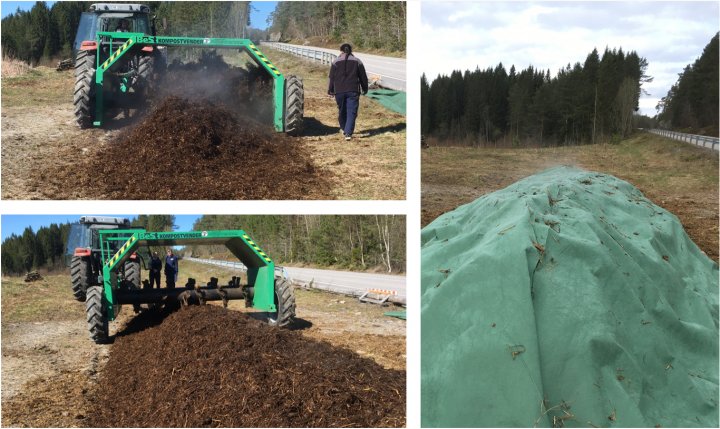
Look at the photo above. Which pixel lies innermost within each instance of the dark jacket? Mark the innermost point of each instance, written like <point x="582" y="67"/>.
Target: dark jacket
<point x="171" y="264"/>
<point x="155" y="264"/>
<point x="347" y="74"/>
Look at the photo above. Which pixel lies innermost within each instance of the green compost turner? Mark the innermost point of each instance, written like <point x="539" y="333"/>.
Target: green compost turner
<point x="264" y="290"/>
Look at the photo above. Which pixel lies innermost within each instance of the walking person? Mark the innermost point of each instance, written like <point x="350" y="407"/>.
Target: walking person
<point x="347" y="80"/>
<point x="155" y="268"/>
<point x="171" y="269"/>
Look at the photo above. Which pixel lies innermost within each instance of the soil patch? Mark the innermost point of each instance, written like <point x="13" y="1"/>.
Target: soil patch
<point x="209" y="366"/>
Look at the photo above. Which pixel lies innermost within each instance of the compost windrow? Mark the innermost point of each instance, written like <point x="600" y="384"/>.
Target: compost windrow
<point x="208" y="134"/>
<point x="210" y="366"/>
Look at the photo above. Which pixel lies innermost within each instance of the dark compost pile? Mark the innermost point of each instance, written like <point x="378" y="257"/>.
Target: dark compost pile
<point x="208" y="366"/>
<point x="199" y="150"/>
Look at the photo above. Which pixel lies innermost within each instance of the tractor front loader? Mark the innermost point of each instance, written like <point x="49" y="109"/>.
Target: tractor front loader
<point x="119" y="65"/>
<point x="273" y="294"/>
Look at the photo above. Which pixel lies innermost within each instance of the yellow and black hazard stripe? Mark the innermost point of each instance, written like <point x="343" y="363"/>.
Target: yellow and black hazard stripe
<point x="264" y="59"/>
<point x="120" y="252"/>
<point x="117" y="53"/>
<point x="257" y="248"/>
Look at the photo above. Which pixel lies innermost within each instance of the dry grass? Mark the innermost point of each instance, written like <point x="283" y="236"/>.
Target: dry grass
<point x="677" y="176"/>
<point x="14" y="68"/>
<point x="50" y="299"/>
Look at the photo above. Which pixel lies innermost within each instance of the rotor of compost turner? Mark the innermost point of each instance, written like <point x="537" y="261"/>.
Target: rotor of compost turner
<point x="118" y="53"/>
<point x="264" y="290"/>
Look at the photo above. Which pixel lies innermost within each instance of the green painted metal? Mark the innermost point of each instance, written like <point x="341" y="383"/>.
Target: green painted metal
<point x="261" y="268"/>
<point x="132" y="42"/>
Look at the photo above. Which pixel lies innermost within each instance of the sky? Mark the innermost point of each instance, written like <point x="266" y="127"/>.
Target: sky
<point x="258" y="16"/>
<point x="16" y="224"/>
<point x="549" y="35"/>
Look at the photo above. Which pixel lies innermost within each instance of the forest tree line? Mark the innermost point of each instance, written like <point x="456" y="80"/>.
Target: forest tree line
<point x="44" y="32"/>
<point x="32" y="250"/>
<point x="584" y="103"/>
<point x="691" y="105"/>
<point x="372" y="24"/>
<point x="351" y="242"/>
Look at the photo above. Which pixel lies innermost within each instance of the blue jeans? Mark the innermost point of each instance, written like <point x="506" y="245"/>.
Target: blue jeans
<point x="348" y="104"/>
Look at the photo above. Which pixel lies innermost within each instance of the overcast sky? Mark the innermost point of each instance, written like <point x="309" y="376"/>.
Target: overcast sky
<point x="464" y="35"/>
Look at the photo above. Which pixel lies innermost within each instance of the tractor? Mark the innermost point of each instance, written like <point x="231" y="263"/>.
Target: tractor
<point x="267" y="289"/>
<point x="83" y="254"/>
<point x="118" y="54"/>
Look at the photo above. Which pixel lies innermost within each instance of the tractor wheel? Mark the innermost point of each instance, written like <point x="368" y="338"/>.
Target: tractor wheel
<point x="146" y="71"/>
<point x="80" y="275"/>
<point x="96" y="315"/>
<point x="294" y="105"/>
<point x="132" y="274"/>
<point x="284" y="304"/>
<point x="133" y="279"/>
<point x="84" y="97"/>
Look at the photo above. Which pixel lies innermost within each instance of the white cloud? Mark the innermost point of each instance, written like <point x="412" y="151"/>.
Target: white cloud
<point x="549" y="35"/>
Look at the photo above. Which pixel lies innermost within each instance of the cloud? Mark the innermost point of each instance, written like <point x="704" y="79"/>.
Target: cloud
<point x="549" y="35"/>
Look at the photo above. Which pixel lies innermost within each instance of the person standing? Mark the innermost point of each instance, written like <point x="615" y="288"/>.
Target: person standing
<point x="171" y="269"/>
<point x="155" y="268"/>
<point x="347" y="80"/>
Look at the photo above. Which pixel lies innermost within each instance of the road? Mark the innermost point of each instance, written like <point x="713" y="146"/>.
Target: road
<point x="393" y="71"/>
<point x="346" y="282"/>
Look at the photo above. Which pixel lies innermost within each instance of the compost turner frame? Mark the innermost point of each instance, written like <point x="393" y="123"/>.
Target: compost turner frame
<point x="263" y="292"/>
<point x="288" y="98"/>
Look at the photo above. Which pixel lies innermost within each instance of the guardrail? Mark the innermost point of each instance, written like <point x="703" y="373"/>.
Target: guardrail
<point x="312" y="54"/>
<point x="702" y="141"/>
<point x="312" y="283"/>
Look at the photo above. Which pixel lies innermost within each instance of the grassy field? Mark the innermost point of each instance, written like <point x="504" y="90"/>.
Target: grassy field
<point x="47" y="300"/>
<point x="39" y="131"/>
<point x="677" y="176"/>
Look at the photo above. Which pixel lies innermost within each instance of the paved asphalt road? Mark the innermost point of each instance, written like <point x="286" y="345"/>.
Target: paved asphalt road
<point x="392" y="70"/>
<point x="346" y="282"/>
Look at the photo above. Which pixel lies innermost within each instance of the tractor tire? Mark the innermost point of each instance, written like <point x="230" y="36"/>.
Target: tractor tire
<point x="294" y="105"/>
<point x="97" y="315"/>
<point x="132" y="274"/>
<point x="133" y="280"/>
<point x="84" y="96"/>
<point x="284" y="304"/>
<point x="146" y="71"/>
<point x="81" y="276"/>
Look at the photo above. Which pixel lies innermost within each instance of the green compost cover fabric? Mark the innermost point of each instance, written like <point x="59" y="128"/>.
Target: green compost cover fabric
<point x="390" y="99"/>
<point x="567" y="299"/>
<point x="398" y="314"/>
